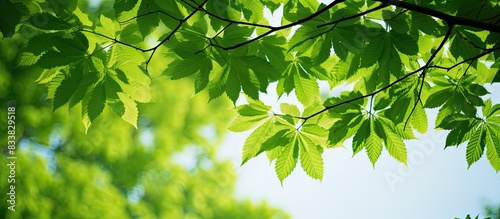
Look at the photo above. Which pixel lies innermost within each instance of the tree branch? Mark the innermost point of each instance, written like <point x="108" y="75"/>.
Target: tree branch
<point x="453" y="20"/>
<point x="354" y="16"/>
<point x="200" y="8"/>
<point x="274" y="29"/>
<point x="424" y="72"/>
<point x="114" y="40"/>
<point x="149" y="13"/>
<point x="364" y="96"/>
<point x="171" y="34"/>
<point x="488" y="51"/>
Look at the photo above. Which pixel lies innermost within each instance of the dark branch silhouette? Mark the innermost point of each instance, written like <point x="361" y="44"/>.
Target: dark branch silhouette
<point x="453" y="20"/>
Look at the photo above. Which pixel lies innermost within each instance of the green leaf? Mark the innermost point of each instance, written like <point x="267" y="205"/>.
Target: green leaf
<point x="306" y="88"/>
<point x="48" y="75"/>
<point x="107" y="26"/>
<point x="47" y="21"/>
<point x="419" y="119"/>
<point x="124" y="5"/>
<point x="310" y="157"/>
<point x="475" y="147"/>
<point x="10" y="15"/>
<point x="344" y="128"/>
<point x="361" y="136"/>
<point x="52" y="59"/>
<point x="344" y="40"/>
<point x="249" y="82"/>
<point x="426" y="24"/>
<point x="261" y="69"/>
<point x="493" y="146"/>
<point x="287" y="159"/>
<point x="497" y="77"/>
<point x="85" y="85"/>
<point x="486" y="108"/>
<point x="438" y="98"/>
<point x="192" y="65"/>
<point x="399" y="109"/>
<point x="232" y="85"/>
<point x="295" y="10"/>
<point x="279" y="139"/>
<point x="378" y="128"/>
<point x="254" y="142"/>
<point x="404" y="133"/>
<point x="404" y="43"/>
<point x="66" y="89"/>
<point x="374" y="50"/>
<point x="395" y="145"/>
<point x="130" y="112"/>
<point x="317" y="134"/>
<point x="70" y="50"/>
<point x="250" y="115"/>
<point x="201" y="80"/>
<point x="306" y="66"/>
<point x="275" y="152"/>
<point x="373" y="147"/>
<point x="285" y="85"/>
<point x="28" y="59"/>
<point x="147" y="24"/>
<point x="460" y="134"/>
<point x="244" y="123"/>
<point x="269" y="47"/>
<point x="397" y="22"/>
<point x="97" y="102"/>
<point x="460" y="48"/>
<point x="130" y="35"/>
<point x="454" y="121"/>
<point x="291" y="111"/>
<point x="139" y="92"/>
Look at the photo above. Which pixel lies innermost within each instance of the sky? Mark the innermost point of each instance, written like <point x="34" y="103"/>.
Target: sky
<point x="435" y="184"/>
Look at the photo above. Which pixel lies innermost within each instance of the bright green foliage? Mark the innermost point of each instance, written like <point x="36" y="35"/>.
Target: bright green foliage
<point x="482" y="134"/>
<point x="401" y="59"/>
<point x="116" y="170"/>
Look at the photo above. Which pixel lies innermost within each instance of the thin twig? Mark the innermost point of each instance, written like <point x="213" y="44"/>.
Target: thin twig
<point x="488" y="51"/>
<point x="274" y="29"/>
<point x="424" y="72"/>
<point x="469" y="41"/>
<point x="149" y="13"/>
<point x="114" y="40"/>
<point x="353" y="16"/>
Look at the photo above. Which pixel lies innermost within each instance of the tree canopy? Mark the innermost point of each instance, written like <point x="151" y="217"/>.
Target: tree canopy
<point x="115" y="170"/>
<point x="398" y="58"/>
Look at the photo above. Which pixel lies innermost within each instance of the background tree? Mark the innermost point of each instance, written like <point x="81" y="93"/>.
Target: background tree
<point x="400" y="57"/>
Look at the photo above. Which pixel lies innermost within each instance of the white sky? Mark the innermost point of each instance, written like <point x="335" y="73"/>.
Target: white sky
<point x="436" y="183"/>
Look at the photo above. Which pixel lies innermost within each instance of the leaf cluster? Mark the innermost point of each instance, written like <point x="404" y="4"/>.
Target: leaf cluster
<point x="400" y="59"/>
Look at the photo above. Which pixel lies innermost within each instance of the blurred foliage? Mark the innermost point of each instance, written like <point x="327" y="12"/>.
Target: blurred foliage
<point x="492" y="211"/>
<point x="166" y="168"/>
